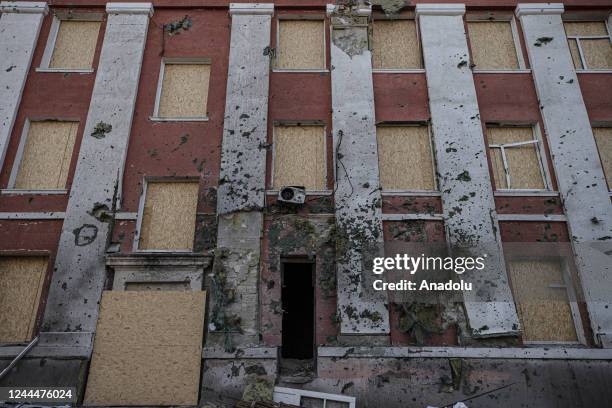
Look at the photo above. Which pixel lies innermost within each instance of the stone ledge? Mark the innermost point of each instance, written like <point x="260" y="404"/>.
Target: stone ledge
<point x="440" y="9"/>
<point x="251" y="8"/>
<point x="240" y="353"/>
<point x="130" y="8"/>
<point x="24" y="7"/>
<point x="539" y="8"/>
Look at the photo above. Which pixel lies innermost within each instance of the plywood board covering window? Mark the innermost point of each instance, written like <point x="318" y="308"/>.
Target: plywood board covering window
<point x="515" y="158"/>
<point x="147" y="349"/>
<point x="46" y="157"/>
<point x="395" y="45"/>
<point x="589" y="44"/>
<point x="492" y="44"/>
<point x="184" y="91"/>
<point x="603" y="138"/>
<point x="301" y="44"/>
<point x="21" y="283"/>
<point x="542" y="300"/>
<point x="75" y="44"/>
<point x="169" y="216"/>
<point x="405" y="158"/>
<point x="299" y="157"/>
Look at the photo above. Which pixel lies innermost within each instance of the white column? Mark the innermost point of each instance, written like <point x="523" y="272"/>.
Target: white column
<point x="240" y="197"/>
<point x="580" y="176"/>
<point x="357" y="194"/>
<point x="80" y="271"/>
<point x="461" y="158"/>
<point x="19" y="28"/>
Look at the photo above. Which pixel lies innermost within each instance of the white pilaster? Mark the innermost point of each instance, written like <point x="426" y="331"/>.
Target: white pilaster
<point x="20" y="24"/>
<point x="461" y="158"/>
<point x="580" y="176"/>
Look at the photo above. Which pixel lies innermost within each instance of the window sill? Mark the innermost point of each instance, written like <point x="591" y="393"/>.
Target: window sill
<point x="300" y="70"/>
<point x="66" y="70"/>
<point x="501" y="71"/>
<point x="194" y="119"/>
<point x="411" y="193"/>
<point x="398" y="71"/>
<point x="163" y="251"/>
<point x="10" y="191"/>
<point x="594" y="71"/>
<point x="525" y="193"/>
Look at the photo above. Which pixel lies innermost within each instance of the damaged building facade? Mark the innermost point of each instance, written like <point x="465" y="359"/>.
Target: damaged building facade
<point x="147" y="255"/>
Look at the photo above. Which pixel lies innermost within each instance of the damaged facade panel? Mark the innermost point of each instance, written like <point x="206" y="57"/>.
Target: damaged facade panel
<point x="463" y="170"/>
<point x="357" y="196"/>
<point x="582" y="183"/>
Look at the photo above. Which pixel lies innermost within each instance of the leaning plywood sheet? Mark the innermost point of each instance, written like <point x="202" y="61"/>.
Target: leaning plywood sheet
<point x="603" y="137"/>
<point x="492" y="45"/>
<point x="169" y="216"/>
<point x="396" y="45"/>
<point x="47" y="155"/>
<point x="147" y="349"/>
<point x="75" y="45"/>
<point x="21" y="281"/>
<point x="299" y="157"/>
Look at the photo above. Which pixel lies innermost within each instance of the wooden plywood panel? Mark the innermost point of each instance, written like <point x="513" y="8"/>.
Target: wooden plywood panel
<point x="573" y="46"/>
<point x="523" y="162"/>
<point x="169" y="217"/>
<point x="395" y="45"/>
<point x="492" y="45"/>
<point x="542" y="301"/>
<point x="597" y="53"/>
<point x="405" y="158"/>
<point x="75" y="45"/>
<point x="603" y="138"/>
<point x="299" y="157"/>
<point x="46" y="155"/>
<point x="21" y="282"/>
<point x="184" y="91"/>
<point x="585" y="28"/>
<point x="147" y="349"/>
<point x="300" y="44"/>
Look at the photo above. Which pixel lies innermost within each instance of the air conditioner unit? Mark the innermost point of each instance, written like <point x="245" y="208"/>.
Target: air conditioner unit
<point x="292" y="194"/>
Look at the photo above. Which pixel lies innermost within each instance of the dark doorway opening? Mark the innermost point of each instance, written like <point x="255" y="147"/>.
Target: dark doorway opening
<point x="298" y="310"/>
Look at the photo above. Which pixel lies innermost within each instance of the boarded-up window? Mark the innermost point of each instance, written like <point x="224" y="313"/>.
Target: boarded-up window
<point x="169" y="216"/>
<point x="405" y="158"/>
<point x="590" y="44"/>
<point x="299" y="157"/>
<point x="301" y="44"/>
<point x="147" y="349"/>
<point x="515" y="158"/>
<point x="46" y="155"/>
<point x="492" y="44"/>
<point x="395" y="45"/>
<point x="75" y="45"/>
<point x="603" y="137"/>
<point x="21" y="282"/>
<point x="184" y="91"/>
<point x="542" y="300"/>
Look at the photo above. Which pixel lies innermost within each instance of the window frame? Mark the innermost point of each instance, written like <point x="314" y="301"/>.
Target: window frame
<point x="518" y="48"/>
<point x="570" y="290"/>
<point x="300" y="17"/>
<point x="384" y="17"/>
<point x="412" y="192"/>
<point x="10" y="189"/>
<point x="274" y="191"/>
<point x="141" y="206"/>
<point x="577" y="38"/>
<point x="53" y="32"/>
<point x="540" y="154"/>
<point x="160" y="84"/>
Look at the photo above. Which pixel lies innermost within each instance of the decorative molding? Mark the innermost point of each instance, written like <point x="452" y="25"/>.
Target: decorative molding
<point x="130" y="8"/>
<point x="411" y="217"/>
<point x="251" y="9"/>
<point x="440" y="9"/>
<point x="539" y="8"/>
<point x="24" y="7"/>
<point x="532" y="217"/>
<point x="361" y="10"/>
